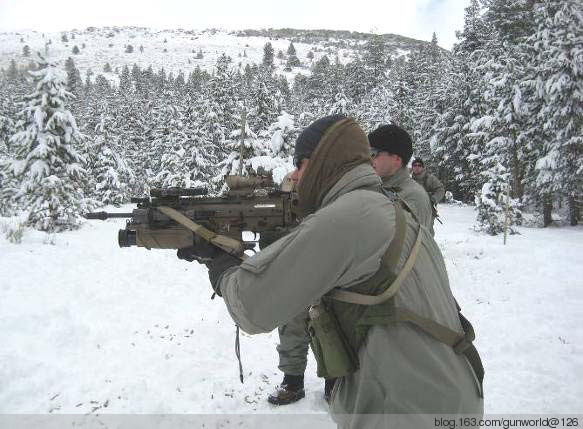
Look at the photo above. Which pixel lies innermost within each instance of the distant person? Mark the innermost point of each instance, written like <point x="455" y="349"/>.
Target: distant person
<point x="391" y="150"/>
<point x="430" y="182"/>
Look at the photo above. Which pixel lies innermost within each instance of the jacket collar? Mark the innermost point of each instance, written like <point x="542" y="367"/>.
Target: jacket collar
<point x="361" y="176"/>
<point x="397" y="179"/>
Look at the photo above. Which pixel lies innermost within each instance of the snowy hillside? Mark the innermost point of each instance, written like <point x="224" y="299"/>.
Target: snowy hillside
<point x="89" y="328"/>
<point x="173" y="50"/>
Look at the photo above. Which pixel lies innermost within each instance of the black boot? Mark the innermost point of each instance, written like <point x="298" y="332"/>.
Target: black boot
<point x="328" y="386"/>
<point x="289" y="391"/>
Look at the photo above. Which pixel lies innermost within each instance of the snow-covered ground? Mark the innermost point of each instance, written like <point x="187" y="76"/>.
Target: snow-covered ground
<point x="87" y="327"/>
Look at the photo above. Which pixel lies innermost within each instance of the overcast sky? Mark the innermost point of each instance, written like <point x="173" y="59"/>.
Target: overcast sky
<point x="413" y="18"/>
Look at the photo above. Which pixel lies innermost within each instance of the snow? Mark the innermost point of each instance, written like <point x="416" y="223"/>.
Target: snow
<point x="88" y="327"/>
<point x="173" y="50"/>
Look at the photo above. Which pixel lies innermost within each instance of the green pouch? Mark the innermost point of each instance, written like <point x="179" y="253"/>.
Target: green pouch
<point x="334" y="355"/>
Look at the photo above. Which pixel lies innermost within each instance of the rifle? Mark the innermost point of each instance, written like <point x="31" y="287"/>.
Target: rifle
<point x="435" y="213"/>
<point x="169" y="218"/>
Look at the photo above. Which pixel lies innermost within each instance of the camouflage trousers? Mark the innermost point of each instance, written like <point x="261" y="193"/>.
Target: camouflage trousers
<point x="294" y="342"/>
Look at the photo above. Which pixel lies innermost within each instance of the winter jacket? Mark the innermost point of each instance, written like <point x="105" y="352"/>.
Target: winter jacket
<point x="431" y="184"/>
<point x="413" y="194"/>
<point x="402" y="370"/>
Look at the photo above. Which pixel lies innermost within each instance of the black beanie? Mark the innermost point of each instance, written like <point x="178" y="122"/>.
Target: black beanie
<point x="311" y="136"/>
<point x="392" y="139"/>
<point x="418" y="161"/>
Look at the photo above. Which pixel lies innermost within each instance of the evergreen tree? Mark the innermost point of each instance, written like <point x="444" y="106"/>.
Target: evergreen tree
<point x="49" y="170"/>
<point x="496" y="210"/>
<point x="292" y="59"/>
<point x="457" y="144"/>
<point x="375" y="62"/>
<point x="268" y="55"/>
<point x="108" y="170"/>
<point x="223" y="88"/>
<point x="74" y="81"/>
<point x="558" y="43"/>
<point x="170" y="141"/>
<point x="265" y="106"/>
<point x="376" y="108"/>
<point x="254" y="149"/>
<point x="7" y="129"/>
<point x="26" y="51"/>
<point x="76" y="50"/>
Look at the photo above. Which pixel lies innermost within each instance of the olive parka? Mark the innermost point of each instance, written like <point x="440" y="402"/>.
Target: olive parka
<point x="402" y="370"/>
<point x="413" y="194"/>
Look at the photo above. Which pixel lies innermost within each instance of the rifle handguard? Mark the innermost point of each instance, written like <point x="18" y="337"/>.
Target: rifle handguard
<point x="228" y="244"/>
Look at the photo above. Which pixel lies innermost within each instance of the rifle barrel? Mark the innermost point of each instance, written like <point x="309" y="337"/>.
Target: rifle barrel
<point x="105" y="215"/>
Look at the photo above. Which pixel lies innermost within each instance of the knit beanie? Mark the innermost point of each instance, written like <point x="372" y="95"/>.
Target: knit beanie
<point x="311" y="135"/>
<point x="392" y="139"/>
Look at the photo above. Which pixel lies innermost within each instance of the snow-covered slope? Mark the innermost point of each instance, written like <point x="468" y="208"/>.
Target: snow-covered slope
<point x="87" y="327"/>
<point x="174" y="50"/>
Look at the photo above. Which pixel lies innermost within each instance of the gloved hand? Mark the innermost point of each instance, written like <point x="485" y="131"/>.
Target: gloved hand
<point x="268" y="237"/>
<point x="201" y="251"/>
<point x="217" y="266"/>
<point x="215" y="259"/>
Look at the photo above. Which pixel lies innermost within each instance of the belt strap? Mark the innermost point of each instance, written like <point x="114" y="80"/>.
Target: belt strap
<point x="461" y="343"/>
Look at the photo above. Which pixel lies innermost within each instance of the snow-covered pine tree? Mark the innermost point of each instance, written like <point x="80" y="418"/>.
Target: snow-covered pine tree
<point x="253" y="147"/>
<point x="496" y="210"/>
<point x="375" y="62"/>
<point x="558" y="43"/>
<point x="49" y="171"/>
<point x="268" y="54"/>
<point x="74" y="80"/>
<point x="222" y="87"/>
<point x="200" y="158"/>
<point x="402" y="88"/>
<point x="504" y="74"/>
<point x="7" y="129"/>
<point x="284" y="133"/>
<point x="292" y="59"/>
<point x="375" y="108"/>
<point x="110" y="174"/>
<point x="263" y="99"/>
<point x="456" y="147"/>
<point x="168" y="158"/>
<point x="356" y="87"/>
<point x="429" y="70"/>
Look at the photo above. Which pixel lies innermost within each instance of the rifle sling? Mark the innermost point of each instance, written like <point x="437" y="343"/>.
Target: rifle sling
<point x="228" y="244"/>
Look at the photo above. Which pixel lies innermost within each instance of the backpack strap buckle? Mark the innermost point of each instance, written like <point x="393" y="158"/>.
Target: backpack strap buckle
<point x="462" y="345"/>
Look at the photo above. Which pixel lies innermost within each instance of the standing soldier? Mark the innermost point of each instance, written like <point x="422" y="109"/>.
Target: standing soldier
<point x="430" y="183"/>
<point x="382" y="315"/>
<point x="391" y="150"/>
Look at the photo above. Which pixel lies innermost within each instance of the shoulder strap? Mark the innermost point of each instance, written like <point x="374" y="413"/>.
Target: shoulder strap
<point x="394" y="194"/>
<point x="395" y="248"/>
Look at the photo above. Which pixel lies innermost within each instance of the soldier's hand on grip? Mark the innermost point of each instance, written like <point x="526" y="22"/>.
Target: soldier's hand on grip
<point x="201" y="251"/>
